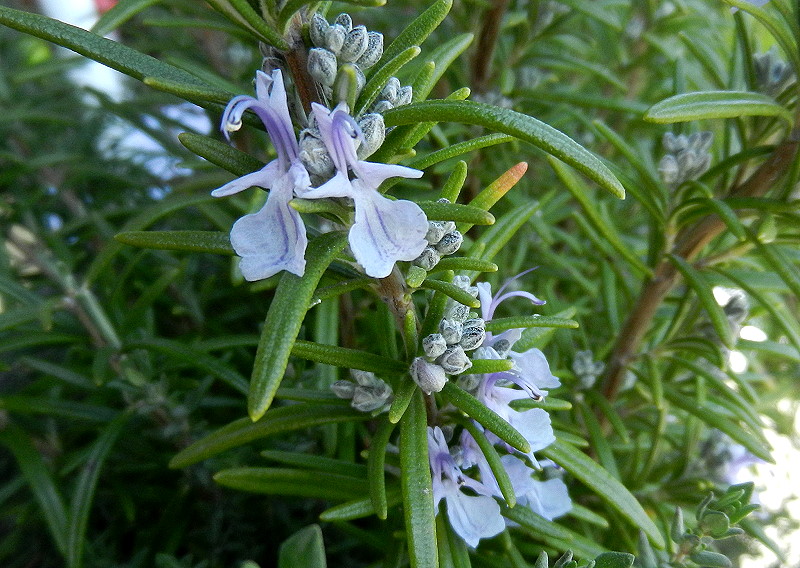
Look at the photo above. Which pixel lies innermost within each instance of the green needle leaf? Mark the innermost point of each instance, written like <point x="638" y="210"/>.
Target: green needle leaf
<point x="415" y="481"/>
<point x="474" y="408"/>
<point x="515" y="124"/>
<point x="605" y="486"/>
<point x="284" y="318"/>
<point x="244" y="430"/>
<point x="714" y="104"/>
<point x="193" y="241"/>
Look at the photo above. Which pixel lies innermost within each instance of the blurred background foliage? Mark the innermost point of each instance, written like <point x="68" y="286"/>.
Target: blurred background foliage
<point x="113" y="359"/>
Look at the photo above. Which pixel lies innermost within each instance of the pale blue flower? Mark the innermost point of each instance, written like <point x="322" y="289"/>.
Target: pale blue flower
<point x="549" y="498"/>
<point x="472" y="517"/>
<point x="384" y="231"/>
<point x="273" y="239"/>
<point x="531" y="372"/>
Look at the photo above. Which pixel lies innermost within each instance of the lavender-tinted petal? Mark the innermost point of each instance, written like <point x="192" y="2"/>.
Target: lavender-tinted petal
<point x="385" y="231"/>
<point x="374" y="174"/>
<point x="273" y="239"/>
<point x="337" y="186"/>
<point x="549" y="499"/>
<point x="473" y="518"/>
<point x="535" y="426"/>
<point x="276" y="100"/>
<point x="485" y="296"/>
<point x="300" y="178"/>
<point x="533" y="368"/>
<point x="265" y="177"/>
<point x="534" y="300"/>
<point x="325" y="124"/>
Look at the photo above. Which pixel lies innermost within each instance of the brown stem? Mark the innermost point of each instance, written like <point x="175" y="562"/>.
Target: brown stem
<point x="297" y="60"/>
<point x="488" y="36"/>
<point x="689" y="242"/>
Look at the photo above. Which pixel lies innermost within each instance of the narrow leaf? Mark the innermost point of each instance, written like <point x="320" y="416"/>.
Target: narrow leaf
<point x="416" y="486"/>
<point x="436" y="211"/>
<point x="244" y="431"/>
<point x="496" y="465"/>
<point x="453" y="291"/>
<point x="296" y="482"/>
<point x="194" y="241"/>
<point x="516" y="322"/>
<point x="418" y="30"/>
<point x="105" y="51"/>
<point x="515" y="124"/>
<point x="605" y="486"/>
<point x="347" y="358"/>
<point x="458" y="149"/>
<point x="702" y="288"/>
<point x="304" y="548"/>
<point x="220" y="154"/>
<point x="119" y="14"/>
<point x="83" y="495"/>
<point x="496" y="190"/>
<point x="375" y="469"/>
<point x="284" y="318"/>
<point x="490" y="420"/>
<point x="714" y="104"/>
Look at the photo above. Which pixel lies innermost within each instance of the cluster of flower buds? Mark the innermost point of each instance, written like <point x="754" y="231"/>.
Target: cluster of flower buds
<point x="391" y="96"/>
<point x="773" y="74"/>
<point x="446" y="351"/>
<point x="687" y="157"/>
<point x="443" y="239"/>
<point x="586" y="368"/>
<point x="367" y="394"/>
<point x="340" y="43"/>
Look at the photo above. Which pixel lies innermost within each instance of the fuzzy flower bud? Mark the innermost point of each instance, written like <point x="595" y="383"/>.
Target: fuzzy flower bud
<point x="428" y="258"/>
<point x="473" y="335"/>
<point x="374" y="131"/>
<point x="450" y="243"/>
<point x="373" y="52"/>
<point x="355" y="44"/>
<point x="322" y="66"/>
<point x="318" y="29"/>
<point x="455" y="311"/>
<point x="454" y="361"/>
<point x="429" y="376"/>
<point x="451" y="331"/>
<point x="434" y="345"/>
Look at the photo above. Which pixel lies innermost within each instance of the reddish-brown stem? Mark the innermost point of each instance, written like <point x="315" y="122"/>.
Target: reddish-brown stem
<point x="487" y="40"/>
<point x="688" y="244"/>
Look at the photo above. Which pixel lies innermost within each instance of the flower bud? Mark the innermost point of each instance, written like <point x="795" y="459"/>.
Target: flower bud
<point x="429" y="376"/>
<point x="355" y="44"/>
<point x="318" y="29"/>
<point x="373" y="52"/>
<point x="454" y="361"/>
<point x="456" y="311"/>
<point x="345" y="21"/>
<point x="315" y="156"/>
<point x="473" y="335"/>
<point x="374" y="131"/>
<point x="381" y="106"/>
<point x="334" y="38"/>
<point x="404" y="96"/>
<point x="434" y="345"/>
<point x="451" y="331"/>
<point x="367" y="399"/>
<point x="668" y="169"/>
<point x="462" y="281"/>
<point x="322" y="66"/>
<point x="389" y="92"/>
<point x="436" y="230"/>
<point x="450" y="243"/>
<point x="364" y="378"/>
<point x="428" y="258"/>
<point x="343" y="389"/>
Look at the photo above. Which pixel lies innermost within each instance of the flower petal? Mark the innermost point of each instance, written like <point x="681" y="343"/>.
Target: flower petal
<point x="265" y="177"/>
<point x="534" y="425"/>
<point x="473" y="518"/>
<point x="374" y="174"/>
<point x="533" y="368"/>
<point x="337" y="186"/>
<point x="273" y="239"/>
<point x="385" y="231"/>
<point x="549" y="499"/>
